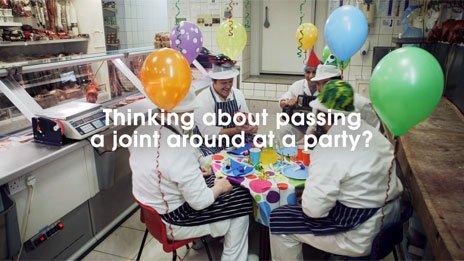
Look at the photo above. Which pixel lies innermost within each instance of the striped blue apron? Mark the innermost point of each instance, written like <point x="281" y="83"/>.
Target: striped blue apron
<point x="292" y="220"/>
<point x="237" y="203"/>
<point x="230" y="107"/>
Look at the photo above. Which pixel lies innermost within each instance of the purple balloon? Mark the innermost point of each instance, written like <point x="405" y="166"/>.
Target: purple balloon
<point x="187" y="39"/>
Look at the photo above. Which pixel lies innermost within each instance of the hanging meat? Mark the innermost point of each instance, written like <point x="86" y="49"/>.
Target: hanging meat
<point x="59" y="24"/>
<point x="91" y="91"/>
<point x="115" y="83"/>
<point x="21" y="8"/>
<point x="71" y="19"/>
<point x="4" y="4"/>
<point x="51" y="11"/>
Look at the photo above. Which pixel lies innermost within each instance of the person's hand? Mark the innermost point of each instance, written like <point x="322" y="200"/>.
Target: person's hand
<point x="239" y="129"/>
<point x="223" y="185"/>
<point x="251" y="129"/>
<point x="292" y="102"/>
<point x="205" y="172"/>
<point x="283" y="103"/>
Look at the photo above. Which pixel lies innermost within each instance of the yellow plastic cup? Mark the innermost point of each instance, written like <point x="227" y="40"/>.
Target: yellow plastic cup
<point x="268" y="156"/>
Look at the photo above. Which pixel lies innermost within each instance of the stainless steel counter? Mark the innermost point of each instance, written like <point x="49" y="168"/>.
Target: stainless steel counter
<point x="22" y="159"/>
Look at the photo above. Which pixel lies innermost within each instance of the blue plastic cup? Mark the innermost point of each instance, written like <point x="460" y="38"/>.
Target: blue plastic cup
<point x="255" y="153"/>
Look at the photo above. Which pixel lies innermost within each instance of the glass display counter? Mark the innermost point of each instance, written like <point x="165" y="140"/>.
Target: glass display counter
<point x="28" y="88"/>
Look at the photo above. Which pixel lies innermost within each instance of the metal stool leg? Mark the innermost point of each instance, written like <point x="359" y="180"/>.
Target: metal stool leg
<point x="174" y="255"/>
<point x="203" y="240"/>
<point x="143" y="244"/>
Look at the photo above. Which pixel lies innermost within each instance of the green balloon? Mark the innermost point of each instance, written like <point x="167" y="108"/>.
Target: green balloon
<point x="325" y="54"/>
<point x="329" y="58"/>
<point x="405" y="87"/>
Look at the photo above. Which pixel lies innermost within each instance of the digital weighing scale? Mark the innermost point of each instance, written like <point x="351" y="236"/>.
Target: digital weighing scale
<point x="80" y="119"/>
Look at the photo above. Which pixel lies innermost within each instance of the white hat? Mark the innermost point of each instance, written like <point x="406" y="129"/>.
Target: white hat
<point x="324" y="72"/>
<point x="223" y="73"/>
<point x="189" y="103"/>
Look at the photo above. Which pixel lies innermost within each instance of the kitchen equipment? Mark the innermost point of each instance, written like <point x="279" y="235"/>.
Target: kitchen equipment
<point x="266" y="21"/>
<point x="80" y="119"/>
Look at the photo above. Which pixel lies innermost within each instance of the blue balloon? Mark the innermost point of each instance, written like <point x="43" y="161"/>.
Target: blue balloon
<point x="345" y="31"/>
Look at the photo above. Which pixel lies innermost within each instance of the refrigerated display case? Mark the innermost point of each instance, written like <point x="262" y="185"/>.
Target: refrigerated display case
<point x="29" y="88"/>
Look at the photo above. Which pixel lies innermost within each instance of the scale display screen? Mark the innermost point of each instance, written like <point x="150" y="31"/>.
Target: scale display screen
<point x="90" y="123"/>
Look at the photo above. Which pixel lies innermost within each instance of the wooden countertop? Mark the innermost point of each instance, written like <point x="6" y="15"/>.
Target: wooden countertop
<point x="431" y="157"/>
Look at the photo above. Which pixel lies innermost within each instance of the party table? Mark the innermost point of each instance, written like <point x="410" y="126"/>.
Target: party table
<point x="267" y="185"/>
<point x="269" y="188"/>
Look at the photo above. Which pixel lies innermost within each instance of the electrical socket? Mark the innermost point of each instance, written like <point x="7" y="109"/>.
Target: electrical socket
<point x="17" y="185"/>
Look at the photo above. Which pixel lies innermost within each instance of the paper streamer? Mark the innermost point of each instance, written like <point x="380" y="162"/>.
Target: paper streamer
<point x="300" y="43"/>
<point x="231" y="8"/>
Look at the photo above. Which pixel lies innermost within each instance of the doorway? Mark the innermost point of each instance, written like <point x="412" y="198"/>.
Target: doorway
<point x="278" y="24"/>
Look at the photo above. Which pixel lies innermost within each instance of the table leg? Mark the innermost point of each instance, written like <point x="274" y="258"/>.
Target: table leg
<point x="264" y="243"/>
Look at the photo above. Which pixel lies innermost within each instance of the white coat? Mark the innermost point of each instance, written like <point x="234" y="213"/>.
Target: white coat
<point x="297" y="88"/>
<point x="356" y="179"/>
<point x="207" y="104"/>
<point x="181" y="181"/>
<point x="364" y="106"/>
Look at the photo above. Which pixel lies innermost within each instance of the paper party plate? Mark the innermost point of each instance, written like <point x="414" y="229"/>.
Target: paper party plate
<point x="237" y="169"/>
<point x="295" y="172"/>
<point x="288" y="152"/>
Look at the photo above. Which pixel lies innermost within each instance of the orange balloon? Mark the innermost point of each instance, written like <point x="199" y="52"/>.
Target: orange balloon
<point x="166" y="77"/>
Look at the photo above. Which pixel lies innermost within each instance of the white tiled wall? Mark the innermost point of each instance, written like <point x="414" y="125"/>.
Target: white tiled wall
<point x="139" y="20"/>
<point x="263" y="91"/>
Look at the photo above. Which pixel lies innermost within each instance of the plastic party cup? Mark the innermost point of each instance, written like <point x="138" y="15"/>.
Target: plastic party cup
<point x="305" y="157"/>
<point x="255" y="154"/>
<point x="299" y="153"/>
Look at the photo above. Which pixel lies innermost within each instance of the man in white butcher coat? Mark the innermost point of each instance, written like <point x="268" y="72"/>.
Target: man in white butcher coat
<point x="222" y="96"/>
<point x="169" y="180"/>
<point x="345" y="185"/>
<point x="304" y="87"/>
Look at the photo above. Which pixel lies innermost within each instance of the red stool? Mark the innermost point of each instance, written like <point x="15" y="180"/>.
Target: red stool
<point x="157" y="229"/>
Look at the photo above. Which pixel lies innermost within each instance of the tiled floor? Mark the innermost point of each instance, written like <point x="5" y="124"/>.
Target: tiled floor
<point x="124" y="243"/>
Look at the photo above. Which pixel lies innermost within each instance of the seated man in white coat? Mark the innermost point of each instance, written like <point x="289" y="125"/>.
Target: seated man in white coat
<point x="288" y="101"/>
<point x="346" y="194"/>
<point x="169" y="180"/>
<point x="221" y="96"/>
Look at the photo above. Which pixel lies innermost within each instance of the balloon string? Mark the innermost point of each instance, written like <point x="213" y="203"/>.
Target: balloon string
<point x="247" y="15"/>
<point x="178" y="40"/>
<point x="178" y="11"/>
<point x="390" y="170"/>
<point x="231" y="7"/>
<point x="301" y="11"/>
<point x="300" y="39"/>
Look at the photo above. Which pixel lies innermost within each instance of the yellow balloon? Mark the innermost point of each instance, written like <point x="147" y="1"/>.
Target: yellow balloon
<point x="307" y="35"/>
<point x="231" y="38"/>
